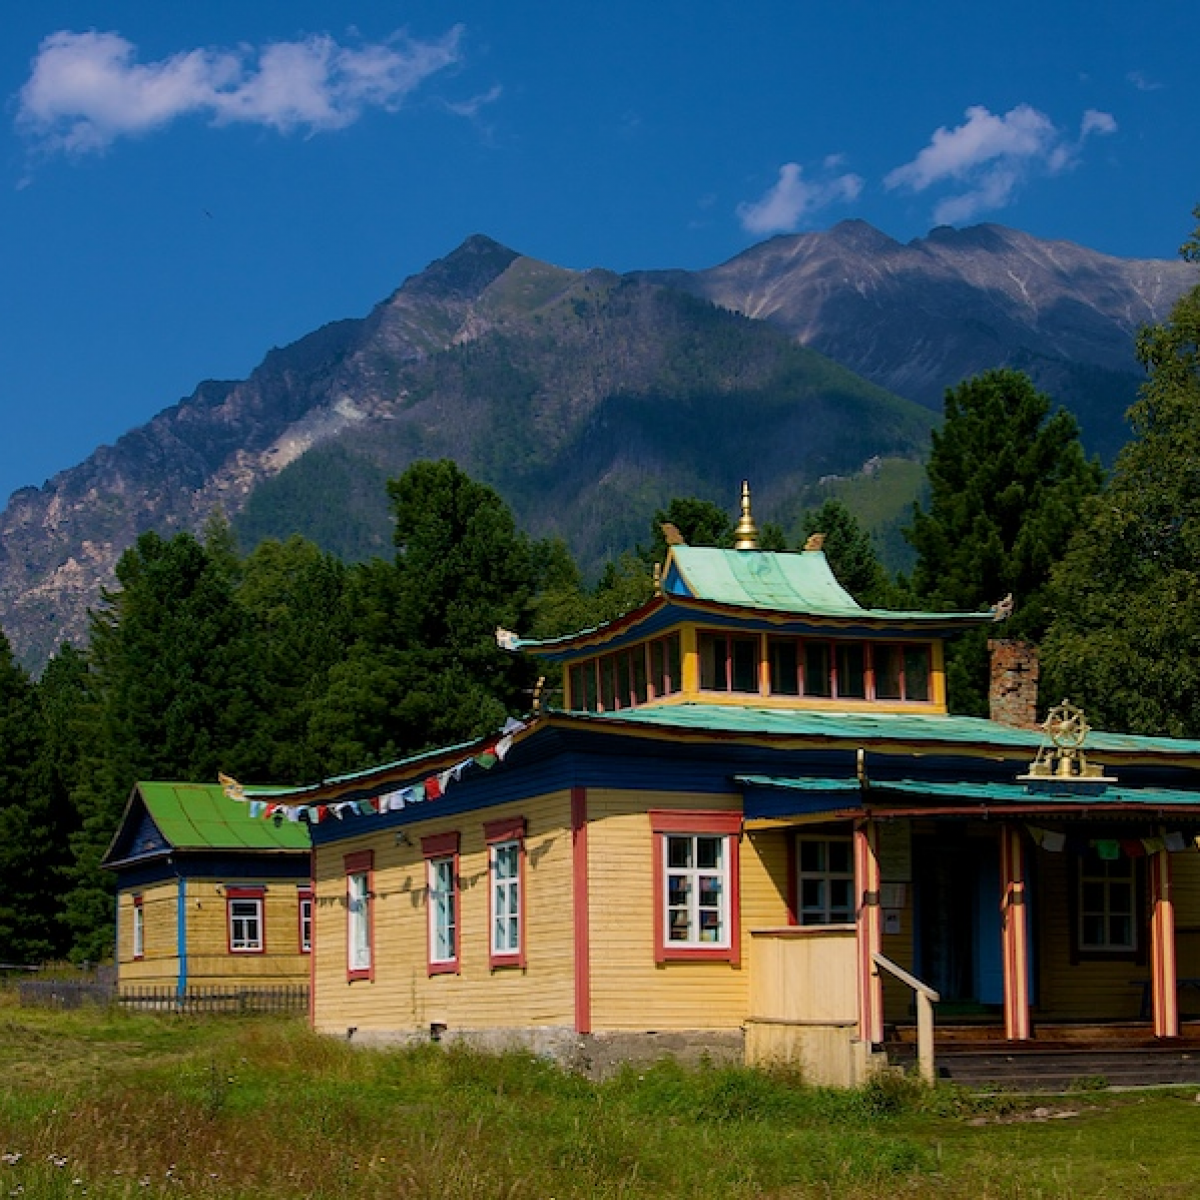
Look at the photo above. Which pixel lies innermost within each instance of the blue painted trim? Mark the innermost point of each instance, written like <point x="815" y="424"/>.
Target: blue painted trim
<point x="181" y="935"/>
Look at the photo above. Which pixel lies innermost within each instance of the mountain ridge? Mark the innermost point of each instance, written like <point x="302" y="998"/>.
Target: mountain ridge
<point x="536" y="376"/>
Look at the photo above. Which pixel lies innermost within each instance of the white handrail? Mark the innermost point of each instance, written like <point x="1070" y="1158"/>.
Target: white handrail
<point x="926" y="998"/>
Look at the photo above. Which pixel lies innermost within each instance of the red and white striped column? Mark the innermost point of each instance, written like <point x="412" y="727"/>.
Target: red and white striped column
<point x="1014" y="934"/>
<point x="870" y="931"/>
<point x="1163" y="971"/>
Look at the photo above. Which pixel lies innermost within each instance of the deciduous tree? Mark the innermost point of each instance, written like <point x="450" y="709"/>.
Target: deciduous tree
<point x="1125" y="641"/>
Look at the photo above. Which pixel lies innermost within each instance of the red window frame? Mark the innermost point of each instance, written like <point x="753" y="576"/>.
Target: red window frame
<point x="436" y="848"/>
<point x="496" y="833"/>
<point x="258" y="894"/>
<point x="304" y="896"/>
<point x="696" y="823"/>
<point x="361" y="862"/>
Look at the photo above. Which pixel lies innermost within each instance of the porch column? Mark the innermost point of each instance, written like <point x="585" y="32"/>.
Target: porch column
<point x="1014" y="934"/>
<point x="870" y="931"/>
<point x="1163" y="981"/>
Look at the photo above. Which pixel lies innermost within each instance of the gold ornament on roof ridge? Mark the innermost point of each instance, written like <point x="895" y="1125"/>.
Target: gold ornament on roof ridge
<point x="746" y="533"/>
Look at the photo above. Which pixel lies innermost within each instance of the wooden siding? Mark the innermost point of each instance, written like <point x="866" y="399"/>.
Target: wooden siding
<point x="1096" y="987"/>
<point x="160" y="962"/>
<point x="209" y="958"/>
<point x="629" y="990"/>
<point x="209" y="961"/>
<point x="403" y="996"/>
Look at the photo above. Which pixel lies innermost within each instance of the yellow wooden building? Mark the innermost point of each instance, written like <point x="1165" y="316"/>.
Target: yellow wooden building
<point x="753" y="829"/>
<point x="208" y="896"/>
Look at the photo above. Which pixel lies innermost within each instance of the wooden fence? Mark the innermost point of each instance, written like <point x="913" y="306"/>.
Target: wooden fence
<point x="280" y="1000"/>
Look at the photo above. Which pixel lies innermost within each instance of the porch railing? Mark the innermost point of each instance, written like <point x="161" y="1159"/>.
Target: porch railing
<point x="926" y="999"/>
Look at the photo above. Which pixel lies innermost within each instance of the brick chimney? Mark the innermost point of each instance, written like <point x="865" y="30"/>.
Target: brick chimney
<point x="1013" y="691"/>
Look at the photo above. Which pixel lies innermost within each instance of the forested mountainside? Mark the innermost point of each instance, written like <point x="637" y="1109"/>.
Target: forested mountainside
<point x="587" y="398"/>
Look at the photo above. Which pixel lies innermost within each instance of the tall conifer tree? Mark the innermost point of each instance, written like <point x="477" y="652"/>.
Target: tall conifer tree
<point x="1007" y="477"/>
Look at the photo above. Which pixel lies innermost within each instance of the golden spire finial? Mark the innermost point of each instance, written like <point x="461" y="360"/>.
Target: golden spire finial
<point x="746" y="533"/>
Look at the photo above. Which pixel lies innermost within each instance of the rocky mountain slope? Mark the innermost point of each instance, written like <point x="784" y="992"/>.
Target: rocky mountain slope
<point x="918" y="318"/>
<point x="587" y="398"/>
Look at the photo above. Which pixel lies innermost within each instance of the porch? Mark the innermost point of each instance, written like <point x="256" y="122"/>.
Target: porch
<point x="1058" y="1057"/>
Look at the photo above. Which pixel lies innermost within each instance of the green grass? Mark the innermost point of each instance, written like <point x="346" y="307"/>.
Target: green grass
<point x="113" y="1105"/>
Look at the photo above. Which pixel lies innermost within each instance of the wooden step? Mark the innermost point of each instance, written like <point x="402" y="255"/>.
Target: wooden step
<point x="1023" y="1066"/>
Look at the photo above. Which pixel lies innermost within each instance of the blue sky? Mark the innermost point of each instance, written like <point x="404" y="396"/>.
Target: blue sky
<point x="184" y="186"/>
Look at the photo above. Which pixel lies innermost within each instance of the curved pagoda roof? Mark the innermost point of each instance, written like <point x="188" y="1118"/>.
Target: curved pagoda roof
<point x="754" y="590"/>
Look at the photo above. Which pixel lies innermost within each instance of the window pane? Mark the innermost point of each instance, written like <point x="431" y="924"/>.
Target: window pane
<point x="590" y="697"/>
<point x="785" y="678"/>
<point x="816" y="669"/>
<point x="640" y="693"/>
<point x="708" y="852"/>
<point x="887" y="662"/>
<point x="916" y="672"/>
<point x="812" y="855"/>
<point x="841" y="856"/>
<point x="624" y="680"/>
<point x="679" y="851"/>
<point x="657" y="669"/>
<point x="745" y="664"/>
<point x="841" y="897"/>
<point x="851" y="673"/>
<point x="608" y="685"/>
<point x="673" y="675"/>
<point x="712" y="662"/>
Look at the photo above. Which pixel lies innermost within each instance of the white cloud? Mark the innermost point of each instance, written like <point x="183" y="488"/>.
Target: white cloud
<point x="988" y="158"/>
<point x="1143" y="82"/>
<point x="792" y="198"/>
<point x="1095" y="121"/>
<point x="86" y="90"/>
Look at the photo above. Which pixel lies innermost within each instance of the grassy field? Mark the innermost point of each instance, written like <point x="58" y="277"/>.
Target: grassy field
<point x="105" y="1105"/>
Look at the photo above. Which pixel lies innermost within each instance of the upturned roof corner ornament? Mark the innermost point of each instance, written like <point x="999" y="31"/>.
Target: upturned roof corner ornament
<point x="746" y="533"/>
<point x="1003" y="609"/>
<point x="232" y="788"/>
<point x="1060" y="759"/>
<point x="506" y="639"/>
<point x="816" y="541"/>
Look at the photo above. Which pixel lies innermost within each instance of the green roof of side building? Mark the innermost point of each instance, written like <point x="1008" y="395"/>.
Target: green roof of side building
<point x="199" y="816"/>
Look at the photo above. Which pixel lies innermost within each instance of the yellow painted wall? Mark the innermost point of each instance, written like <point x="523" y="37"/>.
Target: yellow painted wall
<point x="403" y="996"/>
<point x="209" y="960"/>
<point x="1099" y="988"/>
<point x="160" y="963"/>
<point x="630" y="991"/>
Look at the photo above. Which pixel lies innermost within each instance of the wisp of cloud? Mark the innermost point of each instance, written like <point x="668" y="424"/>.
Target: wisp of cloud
<point x="86" y="90"/>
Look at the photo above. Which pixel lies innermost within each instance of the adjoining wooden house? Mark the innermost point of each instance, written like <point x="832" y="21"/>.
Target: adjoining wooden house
<point x="752" y="828"/>
<point x="208" y="896"/>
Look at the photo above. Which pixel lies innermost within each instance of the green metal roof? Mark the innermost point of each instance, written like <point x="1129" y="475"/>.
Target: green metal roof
<point x="199" y="816"/>
<point x="867" y="726"/>
<point x="801" y="583"/>
<point x="1041" y="794"/>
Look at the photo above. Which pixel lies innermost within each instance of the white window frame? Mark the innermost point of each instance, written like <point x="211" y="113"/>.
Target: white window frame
<point x="246" y="925"/>
<point x="504" y="869"/>
<point x="138" y="928"/>
<point x="443" y="910"/>
<point x="305" y="899"/>
<point x="358" y="922"/>
<point x="684" y="891"/>
<point x="823" y="913"/>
